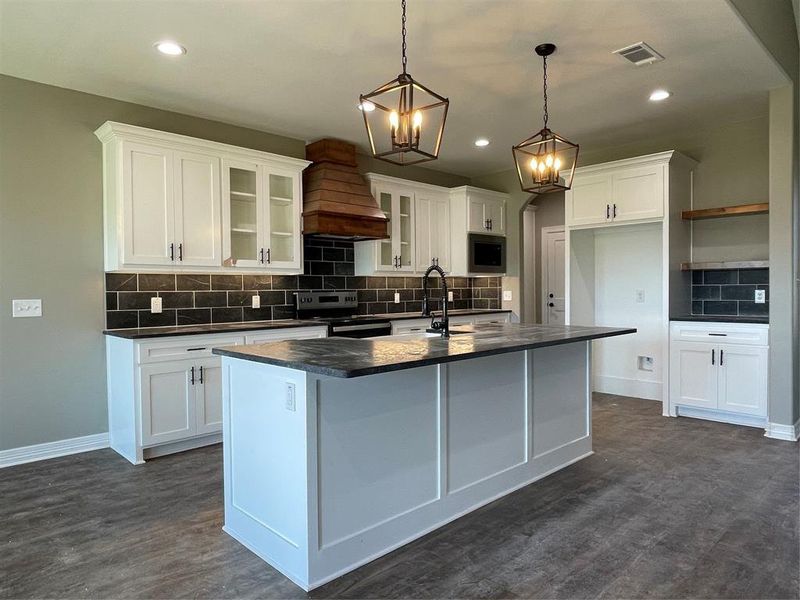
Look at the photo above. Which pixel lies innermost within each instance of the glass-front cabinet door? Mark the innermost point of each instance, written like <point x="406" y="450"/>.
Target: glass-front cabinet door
<point x="241" y="214"/>
<point x="282" y="196"/>
<point x="261" y="217"/>
<point x="396" y="253"/>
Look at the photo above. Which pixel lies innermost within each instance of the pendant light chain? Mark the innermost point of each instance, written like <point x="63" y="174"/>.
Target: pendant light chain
<point x="403" y="3"/>
<point x="544" y="80"/>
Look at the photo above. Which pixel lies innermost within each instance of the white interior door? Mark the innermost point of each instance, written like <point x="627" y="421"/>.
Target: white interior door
<point x="553" y="273"/>
<point x="197" y="210"/>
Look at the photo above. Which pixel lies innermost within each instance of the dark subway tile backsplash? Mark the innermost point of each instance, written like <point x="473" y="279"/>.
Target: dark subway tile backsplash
<point x="194" y="299"/>
<point x="729" y="292"/>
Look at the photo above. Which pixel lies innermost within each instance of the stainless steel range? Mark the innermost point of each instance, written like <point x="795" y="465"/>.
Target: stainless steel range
<point x="338" y="309"/>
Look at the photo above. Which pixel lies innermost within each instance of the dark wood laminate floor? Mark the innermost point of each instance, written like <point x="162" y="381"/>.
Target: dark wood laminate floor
<point x="666" y="508"/>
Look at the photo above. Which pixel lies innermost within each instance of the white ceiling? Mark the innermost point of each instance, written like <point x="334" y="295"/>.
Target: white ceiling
<point x="296" y="67"/>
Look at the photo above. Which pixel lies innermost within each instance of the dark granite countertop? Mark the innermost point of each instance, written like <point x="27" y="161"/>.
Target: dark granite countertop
<point x="155" y="332"/>
<point x="719" y="319"/>
<point x="348" y="357"/>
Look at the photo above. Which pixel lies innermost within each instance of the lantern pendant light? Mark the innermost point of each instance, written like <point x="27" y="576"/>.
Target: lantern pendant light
<point x="545" y="161"/>
<point x="404" y="119"/>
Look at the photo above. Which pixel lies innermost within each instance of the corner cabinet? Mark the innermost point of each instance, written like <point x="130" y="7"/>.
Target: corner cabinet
<point x="718" y="371"/>
<point x="173" y="202"/>
<point x="428" y="225"/>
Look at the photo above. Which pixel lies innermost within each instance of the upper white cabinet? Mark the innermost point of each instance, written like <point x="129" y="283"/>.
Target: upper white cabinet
<point x="261" y="214"/>
<point x="625" y="191"/>
<point x="172" y="201"/>
<point x="428" y="225"/>
<point x="486" y="211"/>
<point x="432" y="230"/>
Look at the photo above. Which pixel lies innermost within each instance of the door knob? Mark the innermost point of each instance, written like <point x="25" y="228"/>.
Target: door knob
<point x="550" y="295"/>
<point x="550" y="304"/>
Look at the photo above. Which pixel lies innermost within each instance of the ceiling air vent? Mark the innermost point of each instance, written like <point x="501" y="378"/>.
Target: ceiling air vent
<point x="639" y="54"/>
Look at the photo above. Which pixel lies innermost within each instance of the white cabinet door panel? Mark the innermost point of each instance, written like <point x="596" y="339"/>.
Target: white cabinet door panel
<point x="588" y="202"/>
<point x="496" y="213"/>
<point x="639" y="194"/>
<point x="168" y="402"/>
<point x="197" y="210"/>
<point x="743" y="379"/>
<point x="476" y="214"/>
<point x="693" y="374"/>
<point x="147" y="204"/>
<point x="209" y="396"/>
<point x="432" y="231"/>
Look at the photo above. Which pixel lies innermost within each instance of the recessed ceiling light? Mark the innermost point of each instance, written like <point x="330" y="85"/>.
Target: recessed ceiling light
<point x="659" y="95"/>
<point x="170" y="48"/>
<point x="366" y="106"/>
<point x="481" y="142"/>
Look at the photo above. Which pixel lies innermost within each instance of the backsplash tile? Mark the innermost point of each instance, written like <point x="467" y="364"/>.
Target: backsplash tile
<point x="194" y="299"/>
<point x="729" y="292"/>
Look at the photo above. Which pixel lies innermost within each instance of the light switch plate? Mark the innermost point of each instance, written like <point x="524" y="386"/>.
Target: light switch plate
<point x="760" y="296"/>
<point x="449" y="296"/>
<point x="291" y="404"/>
<point x="507" y="296"/>
<point x="26" y="308"/>
<point x="639" y="296"/>
<point x="397" y="297"/>
<point x="155" y="304"/>
<point x="255" y="301"/>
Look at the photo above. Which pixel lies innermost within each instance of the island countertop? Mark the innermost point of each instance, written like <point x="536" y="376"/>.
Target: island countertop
<point x="348" y="357"/>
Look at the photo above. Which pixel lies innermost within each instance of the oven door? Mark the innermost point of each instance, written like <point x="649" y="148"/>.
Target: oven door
<point x="361" y="330"/>
<point x="487" y="253"/>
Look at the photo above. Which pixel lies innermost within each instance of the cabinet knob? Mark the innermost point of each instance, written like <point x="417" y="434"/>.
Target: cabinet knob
<point x="550" y="304"/>
<point x="550" y="295"/>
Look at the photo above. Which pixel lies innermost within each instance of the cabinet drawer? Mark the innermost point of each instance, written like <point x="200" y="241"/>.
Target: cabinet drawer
<point x="410" y="326"/>
<point x="720" y="333"/>
<point x="276" y="335"/>
<point x="184" y="347"/>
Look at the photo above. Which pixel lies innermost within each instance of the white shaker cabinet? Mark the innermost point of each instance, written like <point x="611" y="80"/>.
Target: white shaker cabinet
<point x="432" y="231"/>
<point x="173" y="202"/>
<point x="486" y="212"/>
<point x="619" y="192"/>
<point x="719" y="371"/>
<point x="165" y="393"/>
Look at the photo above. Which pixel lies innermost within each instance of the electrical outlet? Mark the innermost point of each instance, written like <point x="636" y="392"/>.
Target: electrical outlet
<point x="645" y="363"/>
<point x="155" y="304"/>
<point x="760" y="296"/>
<point x="507" y="296"/>
<point x="256" y="301"/>
<point x="290" y="400"/>
<point x="639" y="296"/>
<point x="26" y="308"/>
<point x="449" y="296"/>
<point x="397" y="297"/>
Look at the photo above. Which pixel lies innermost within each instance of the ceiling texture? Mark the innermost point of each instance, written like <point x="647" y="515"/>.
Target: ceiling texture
<point x="296" y="67"/>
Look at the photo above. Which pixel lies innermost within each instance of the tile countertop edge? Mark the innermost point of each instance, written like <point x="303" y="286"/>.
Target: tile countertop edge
<point x="176" y="330"/>
<point x="412" y="364"/>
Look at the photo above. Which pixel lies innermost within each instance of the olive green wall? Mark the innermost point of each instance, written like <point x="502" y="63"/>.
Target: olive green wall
<point x="52" y="369"/>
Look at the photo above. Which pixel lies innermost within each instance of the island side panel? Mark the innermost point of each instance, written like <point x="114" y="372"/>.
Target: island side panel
<point x="562" y="402"/>
<point x="265" y="463"/>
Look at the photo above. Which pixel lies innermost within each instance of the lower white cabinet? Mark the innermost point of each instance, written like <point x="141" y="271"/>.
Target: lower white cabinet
<point x="720" y="369"/>
<point x="165" y="394"/>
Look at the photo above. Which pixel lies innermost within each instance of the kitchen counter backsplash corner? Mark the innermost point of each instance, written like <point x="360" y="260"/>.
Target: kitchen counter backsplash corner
<point x="198" y="298"/>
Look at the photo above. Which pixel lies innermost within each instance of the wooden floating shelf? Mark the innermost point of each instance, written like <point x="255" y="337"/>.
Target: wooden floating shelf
<point x="723" y="265"/>
<point x="726" y="211"/>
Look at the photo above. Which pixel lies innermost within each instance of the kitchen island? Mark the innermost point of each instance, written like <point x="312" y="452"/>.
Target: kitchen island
<point x="340" y="450"/>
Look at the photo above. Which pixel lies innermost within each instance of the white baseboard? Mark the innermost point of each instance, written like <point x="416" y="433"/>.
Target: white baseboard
<point x="776" y="431"/>
<point x="720" y="416"/>
<point x="622" y="386"/>
<point x="26" y="454"/>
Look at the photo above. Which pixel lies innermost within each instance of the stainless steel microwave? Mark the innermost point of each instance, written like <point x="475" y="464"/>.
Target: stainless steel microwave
<point x="486" y="253"/>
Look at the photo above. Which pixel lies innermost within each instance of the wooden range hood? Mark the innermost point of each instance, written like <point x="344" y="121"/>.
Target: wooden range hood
<point x="336" y="200"/>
